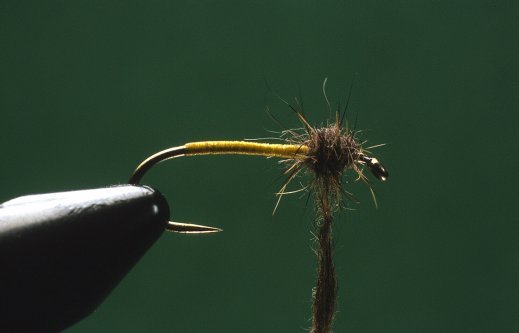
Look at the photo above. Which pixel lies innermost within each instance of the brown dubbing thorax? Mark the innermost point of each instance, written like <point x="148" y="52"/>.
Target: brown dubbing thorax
<point x="331" y="151"/>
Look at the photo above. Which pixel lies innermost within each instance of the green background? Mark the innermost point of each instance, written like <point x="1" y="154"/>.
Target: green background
<point x="90" y="88"/>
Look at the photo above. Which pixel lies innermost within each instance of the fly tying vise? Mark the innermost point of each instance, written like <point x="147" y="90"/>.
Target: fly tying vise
<point x="62" y="251"/>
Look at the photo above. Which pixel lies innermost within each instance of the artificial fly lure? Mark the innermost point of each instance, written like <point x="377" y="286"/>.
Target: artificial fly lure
<point x="327" y="153"/>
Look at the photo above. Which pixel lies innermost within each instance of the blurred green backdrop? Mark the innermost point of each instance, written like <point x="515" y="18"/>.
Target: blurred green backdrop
<point x="90" y="88"/>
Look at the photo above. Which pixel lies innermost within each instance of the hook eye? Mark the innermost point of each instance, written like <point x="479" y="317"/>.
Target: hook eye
<point x="376" y="168"/>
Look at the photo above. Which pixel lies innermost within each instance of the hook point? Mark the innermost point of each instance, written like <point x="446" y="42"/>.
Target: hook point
<point x="188" y="228"/>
